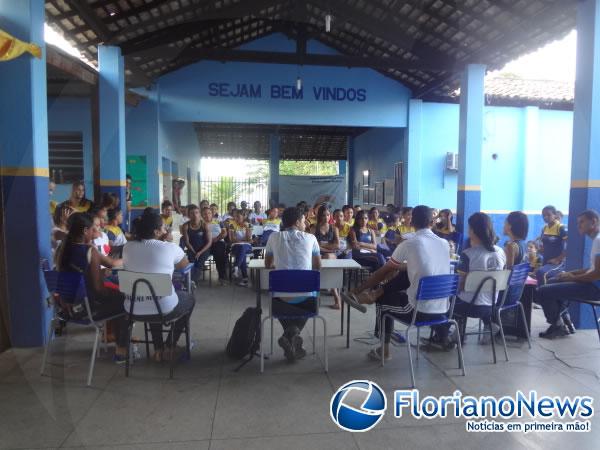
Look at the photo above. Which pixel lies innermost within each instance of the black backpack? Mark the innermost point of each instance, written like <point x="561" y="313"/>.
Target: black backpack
<point x="245" y="338"/>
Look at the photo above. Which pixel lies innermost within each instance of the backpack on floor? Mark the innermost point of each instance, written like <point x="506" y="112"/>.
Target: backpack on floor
<point x="245" y="338"/>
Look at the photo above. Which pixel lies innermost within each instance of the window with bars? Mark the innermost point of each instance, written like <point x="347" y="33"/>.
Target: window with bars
<point x="65" y="156"/>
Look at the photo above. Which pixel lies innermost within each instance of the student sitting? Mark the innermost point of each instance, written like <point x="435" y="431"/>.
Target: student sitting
<point x="113" y="228"/>
<point x="445" y="229"/>
<point x="149" y="254"/>
<point x="329" y="243"/>
<point x="227" y="217"/>
<point x="581" y="284"/>
<point x="60" y="230"/>
<point x="101" y="240"/>
<point x="197" y="238"/>
<point x="218" y="247"/>
<point x="405" y="221"/>
<point x="214" y="208"/>
<point x="167" y="216"/>
<point x="516" y="227"/>
<point x="271" y="224"/>
<point x="532" y="257"/>
<point x="77" y="200"/>
<point x="364" y="246"/>
<point x="392" y="236"/>
<point x="553" y="246"/>
<point x="77" y="254"/>
<point x="348" y="212"/>
<point x="343" y="231"/>
<point x="257" y="216"/>
<point x="375" y="223"/>
<point x="293" y="249"/>
<point x="240" y="238"/>
<point x="423" y="255"/>
<point x="482" y="255"/>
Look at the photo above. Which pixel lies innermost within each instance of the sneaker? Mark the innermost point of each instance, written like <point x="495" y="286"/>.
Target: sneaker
<point x="119" y="359"/>
<point x="445" y="344"/>
<point x="243" y="282"/>
<point x="222" y="282"/>
<point x="288" y="349"/>
<point x="297" y="342"/>
<point x="398" y="338"/>
<point x="353" y="301"/>
<point x="236" y="272"/>
<point x="570" y="327"/>
<point x="485" y="338"/>
<point x="554" y="331"/>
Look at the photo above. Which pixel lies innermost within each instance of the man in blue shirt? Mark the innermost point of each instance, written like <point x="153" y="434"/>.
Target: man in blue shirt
<point x="581" y="284"/>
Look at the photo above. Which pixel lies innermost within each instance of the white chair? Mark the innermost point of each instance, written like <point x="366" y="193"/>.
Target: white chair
<point x="150" y="285"/>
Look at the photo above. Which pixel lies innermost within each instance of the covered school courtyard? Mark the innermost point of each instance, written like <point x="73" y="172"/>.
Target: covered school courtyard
<point x="392" y="95"/>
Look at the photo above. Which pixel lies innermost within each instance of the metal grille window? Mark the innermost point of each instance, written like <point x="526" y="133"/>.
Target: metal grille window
<point x="65" y="156"/>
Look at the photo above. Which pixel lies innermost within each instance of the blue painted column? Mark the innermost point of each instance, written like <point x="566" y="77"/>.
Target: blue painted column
<point x="470" y="142"/>
<point x="111" y="79"/>
<point x="585" y="168"/>
<point x="274" y="154"/>
<point x="24" y="174"/>
<point x="350" y="175"/>
<point x="412" y="158"/>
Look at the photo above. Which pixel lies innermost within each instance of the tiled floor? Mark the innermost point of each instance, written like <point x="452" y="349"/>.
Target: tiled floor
<point x="208" y="405"/>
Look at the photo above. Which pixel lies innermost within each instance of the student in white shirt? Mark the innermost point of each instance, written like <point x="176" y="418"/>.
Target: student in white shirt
<point x="423" y="255"/>
<point x="257" y="215"/>
<point x="148" y="254"/>
<point x="481" y="255"/>
<point x="218" y="247"/>
<point x="580" y="284"/>
<point x="293" y="249"/>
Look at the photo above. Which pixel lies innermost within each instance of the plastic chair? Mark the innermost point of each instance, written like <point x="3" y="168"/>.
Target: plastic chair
<point x="69" y="288"/>
<point x="155" y="285"/>
<point x="183" y="278"/>
<point x="512" y="299"/>
<point x="291" y="284"/>
<point x="489" y="282"/>
<point x="430" y="288"/>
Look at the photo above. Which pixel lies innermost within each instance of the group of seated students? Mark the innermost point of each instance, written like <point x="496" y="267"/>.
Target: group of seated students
<point x="399" y="246"/>
<point x="393" y="287"/>
<point x="147" y="252"/>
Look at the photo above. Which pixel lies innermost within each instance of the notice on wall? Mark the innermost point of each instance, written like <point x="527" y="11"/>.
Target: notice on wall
<point x="318" y="189"/>
<point x="137" y="168"/>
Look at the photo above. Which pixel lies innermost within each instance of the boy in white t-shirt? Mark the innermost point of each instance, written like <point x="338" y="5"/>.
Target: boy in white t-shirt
<point x="292" y="249"/>
<point x="580" y="284"/>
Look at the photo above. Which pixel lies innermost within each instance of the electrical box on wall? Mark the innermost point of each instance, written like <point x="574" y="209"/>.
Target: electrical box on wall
<point x="452" y="161"/>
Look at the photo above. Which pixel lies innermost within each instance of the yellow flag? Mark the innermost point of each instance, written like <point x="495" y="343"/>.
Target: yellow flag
<point x="11" y="47"/>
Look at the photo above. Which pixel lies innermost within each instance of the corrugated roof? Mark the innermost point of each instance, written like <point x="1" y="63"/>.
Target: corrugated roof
<point x="534" y="90"/>
<point x="423" y="44"/>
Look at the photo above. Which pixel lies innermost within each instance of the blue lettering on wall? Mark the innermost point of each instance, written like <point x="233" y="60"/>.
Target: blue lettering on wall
<point x="287" y="92"/>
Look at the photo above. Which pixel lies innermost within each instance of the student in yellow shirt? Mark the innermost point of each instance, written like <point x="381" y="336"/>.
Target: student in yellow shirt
<point x="343" y="232"/>
<point x="406" y="220"/>
<point x="375" y="223"/>
<point x="77" y="201"/>
<point x="271" y="224"/>
<point x="348" y="212"/>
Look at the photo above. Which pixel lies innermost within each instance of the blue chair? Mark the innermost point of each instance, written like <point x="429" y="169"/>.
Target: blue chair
<point x="430" y="288"/>
<point x="182" y="279"/>
<point x="512" y="299"/>
<point x="292" y="284"/>
<point x="483" y="282"/>
<point x="69" y="289"/>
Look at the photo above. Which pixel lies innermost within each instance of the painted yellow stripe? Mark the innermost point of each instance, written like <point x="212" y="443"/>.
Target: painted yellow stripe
<point x="24" y="172"/>
<point x="585" y="184"/>
<point x="113" y="183"/>
<point x="470" y="187"/>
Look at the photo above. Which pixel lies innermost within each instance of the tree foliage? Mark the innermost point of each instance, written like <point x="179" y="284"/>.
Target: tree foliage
<point x="308" y="168"/>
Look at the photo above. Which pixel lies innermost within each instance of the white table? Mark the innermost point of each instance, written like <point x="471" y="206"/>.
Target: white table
<point x="332" y="277"/>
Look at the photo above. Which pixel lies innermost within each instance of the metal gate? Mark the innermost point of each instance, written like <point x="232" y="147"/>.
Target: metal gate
<point x="223" y="190"/>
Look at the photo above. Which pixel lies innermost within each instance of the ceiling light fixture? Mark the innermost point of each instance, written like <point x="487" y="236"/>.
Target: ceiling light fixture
<point x="298" y="84"/>
<point x="327" y="23"/>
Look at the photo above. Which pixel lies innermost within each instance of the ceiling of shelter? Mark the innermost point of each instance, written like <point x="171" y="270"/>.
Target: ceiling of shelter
<point x="421" y="43"/>
<point x="312" y="143"/>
